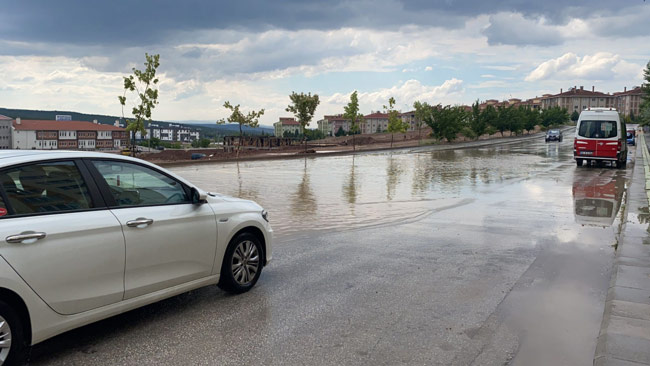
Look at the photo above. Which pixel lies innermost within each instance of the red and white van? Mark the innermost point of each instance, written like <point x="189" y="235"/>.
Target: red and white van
<point x="600" y="136"/>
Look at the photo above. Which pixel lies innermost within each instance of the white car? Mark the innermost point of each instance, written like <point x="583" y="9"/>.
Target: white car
<point x="85" y="236"/>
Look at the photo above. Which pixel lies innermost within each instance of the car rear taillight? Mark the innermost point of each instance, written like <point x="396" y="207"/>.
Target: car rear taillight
<point x="575" y="144"/>
<point x="618" y="146"/>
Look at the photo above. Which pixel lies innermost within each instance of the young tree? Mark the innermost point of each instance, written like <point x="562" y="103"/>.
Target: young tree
<point x="395" y="123"/>
<point x="352" y="114"/>
<point x="502" y="122"/>
<point x="144" y="84"/>
<point x="644" y="109"/>
<point x="476" y="121"/>
<point x="422" y="110"/>
<point x="574" y="116"/>
<point x="531" y="119"/>
<point x="490" y="117"/>
<point x="446" y="122"/>
<point x="340" y="132"/>
<point x="250" y="119"/>
<point x="303" y="106"/>
<point x="554" y="116"/>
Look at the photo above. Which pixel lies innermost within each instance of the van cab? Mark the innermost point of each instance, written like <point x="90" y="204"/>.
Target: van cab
<point x="600" y="136"/>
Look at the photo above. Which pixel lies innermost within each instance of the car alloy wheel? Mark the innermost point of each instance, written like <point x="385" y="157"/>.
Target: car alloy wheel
<point x="245" y="262"/>
<point x="5" y="340"/>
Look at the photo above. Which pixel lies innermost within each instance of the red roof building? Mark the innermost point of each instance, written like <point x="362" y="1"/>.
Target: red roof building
<point x="69" y="135"/>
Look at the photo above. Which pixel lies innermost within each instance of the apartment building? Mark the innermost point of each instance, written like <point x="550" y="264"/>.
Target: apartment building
<point x="410" y="119"/>
<point x="5" y="132"/>
<point x="286" y="124"/>
<point x="68" y="135"/>
<point x="169" y="133"/>
<point x="330" y="125"/>
<point x="577" y="100"/>
<point x="629" y="101"/>
<point x="374" y="123"/>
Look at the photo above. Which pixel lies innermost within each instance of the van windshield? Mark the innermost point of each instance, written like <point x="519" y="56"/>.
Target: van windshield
<point x="597" y="129"/>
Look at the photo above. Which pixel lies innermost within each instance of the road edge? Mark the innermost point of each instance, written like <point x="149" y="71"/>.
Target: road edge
<point x="624" y="337"/>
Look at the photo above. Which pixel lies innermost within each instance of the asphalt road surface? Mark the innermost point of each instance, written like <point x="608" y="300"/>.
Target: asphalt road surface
<point x="480" y="256"/>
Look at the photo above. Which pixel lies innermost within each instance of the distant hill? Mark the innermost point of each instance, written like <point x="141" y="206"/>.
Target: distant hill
<point x="207" y="129"/>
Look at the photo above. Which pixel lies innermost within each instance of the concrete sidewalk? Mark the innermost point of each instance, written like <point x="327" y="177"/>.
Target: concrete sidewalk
<point x="625" y="331"/>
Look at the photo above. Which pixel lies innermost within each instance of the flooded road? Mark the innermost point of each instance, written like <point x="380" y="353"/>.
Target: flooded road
<point x="348" y="192"/>
<point x="487" y="256"/>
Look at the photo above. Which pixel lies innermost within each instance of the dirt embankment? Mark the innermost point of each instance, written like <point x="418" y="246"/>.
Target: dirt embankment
<point x="332" y="145"/>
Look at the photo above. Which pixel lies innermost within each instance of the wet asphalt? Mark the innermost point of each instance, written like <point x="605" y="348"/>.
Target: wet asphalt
<point x="489" y="256"/>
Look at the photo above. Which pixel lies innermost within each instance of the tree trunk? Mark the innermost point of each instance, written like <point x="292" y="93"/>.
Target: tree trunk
<point x="354" y="147"/>
<point x="240" y="140"/>
<point x="133" y="144"/>
<point x="391" y="140"/>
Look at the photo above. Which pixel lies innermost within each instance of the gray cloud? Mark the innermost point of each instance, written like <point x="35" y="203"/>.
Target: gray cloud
<point x="150" y="22"/>
<point x="515" y="29"/>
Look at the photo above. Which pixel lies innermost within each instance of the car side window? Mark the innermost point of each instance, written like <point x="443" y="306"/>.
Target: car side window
<point x="137" y="185"/>
<point x="45" y="187"/>
<point x="3" y="208"/>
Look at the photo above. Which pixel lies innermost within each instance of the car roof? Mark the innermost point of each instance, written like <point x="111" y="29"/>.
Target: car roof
<point x="13" y="157"/>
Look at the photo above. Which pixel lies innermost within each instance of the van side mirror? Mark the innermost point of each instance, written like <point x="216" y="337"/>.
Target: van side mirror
<point x="198" y="197"/>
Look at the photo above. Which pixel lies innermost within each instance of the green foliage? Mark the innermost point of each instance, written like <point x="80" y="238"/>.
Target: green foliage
<point x="144" y="84"/>
<point x="477" y="122"/>
<point x="422" y="109"/>
<point x="644" y="109"/>
<point x="303" y="106"/>
<point x="574" y="116"/>
<point x="554" y="116"/>
<point x="201" y="143"/>
<point x="502" y="121"/>
<point x="154" y="142"/>
<point x="490" y="117"/>
<point x="340" y="132"/>
<point x="314" y="134"/>
<point x="395" y="123"/>
<point x="250" y="119"/>
<point x="351" y="113"/>
<point x="531" y="118"/>
<point x="446" y="122"/>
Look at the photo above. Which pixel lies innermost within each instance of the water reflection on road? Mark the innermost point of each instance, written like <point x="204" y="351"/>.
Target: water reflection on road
<point x="347" y="192"/>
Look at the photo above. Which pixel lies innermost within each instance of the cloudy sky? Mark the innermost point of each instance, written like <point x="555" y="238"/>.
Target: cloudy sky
<point x="71" y="55"/>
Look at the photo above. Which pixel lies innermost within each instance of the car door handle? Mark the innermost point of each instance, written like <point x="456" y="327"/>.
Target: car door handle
<point x="25" y="238"/>
<point x="140" y="222"/>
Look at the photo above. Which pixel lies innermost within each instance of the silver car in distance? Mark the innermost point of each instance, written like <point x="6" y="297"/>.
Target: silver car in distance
<point x="85" y="236"/>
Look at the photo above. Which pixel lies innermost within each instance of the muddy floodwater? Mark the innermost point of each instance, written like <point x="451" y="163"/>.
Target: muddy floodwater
<point x="370" y="189"/>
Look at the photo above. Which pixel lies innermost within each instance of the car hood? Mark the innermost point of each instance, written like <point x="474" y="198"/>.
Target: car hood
<point x="214" y="197"/>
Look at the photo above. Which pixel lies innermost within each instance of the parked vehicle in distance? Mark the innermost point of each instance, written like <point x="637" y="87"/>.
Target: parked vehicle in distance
<point x="85" y="236"/>
<point x="197" y="156"/>
<point x="600" y="137"/>
<point x="553" y="135"/>
<point x="631" y="137"/>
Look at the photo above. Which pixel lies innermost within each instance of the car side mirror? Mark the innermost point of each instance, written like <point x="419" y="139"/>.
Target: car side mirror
<point x="198" y="196"/>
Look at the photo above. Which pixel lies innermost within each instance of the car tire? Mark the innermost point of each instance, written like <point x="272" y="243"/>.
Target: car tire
<point x="579" y="162"/>
<point x="244" y="253"/>
<point x="12" y="328"/>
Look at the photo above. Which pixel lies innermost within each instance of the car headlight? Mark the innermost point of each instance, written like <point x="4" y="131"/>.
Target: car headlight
<point x="265" y="215"/>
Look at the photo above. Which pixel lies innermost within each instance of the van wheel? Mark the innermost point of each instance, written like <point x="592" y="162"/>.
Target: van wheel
<point x="579" y="162"/>
<point x="242" y="264"/>
<point x="13" y="348"/>
<point x="619" y="164"/>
